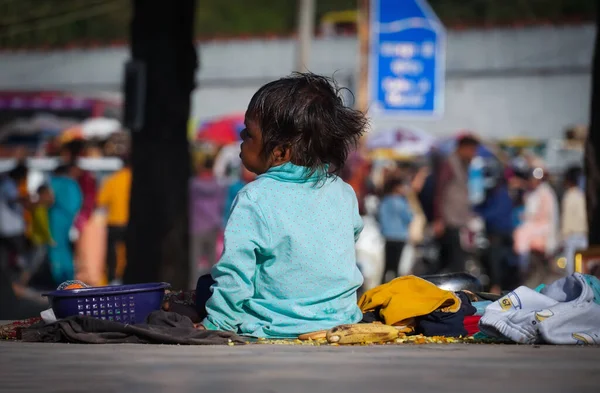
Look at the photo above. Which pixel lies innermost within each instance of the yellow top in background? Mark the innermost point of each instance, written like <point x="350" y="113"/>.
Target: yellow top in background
<point x="114" y="197"/>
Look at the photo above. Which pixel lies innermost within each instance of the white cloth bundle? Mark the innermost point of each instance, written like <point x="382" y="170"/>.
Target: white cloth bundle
<point x="564" y="312"/>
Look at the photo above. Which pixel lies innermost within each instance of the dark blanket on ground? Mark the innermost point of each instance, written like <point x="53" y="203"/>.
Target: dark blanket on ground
<point x="161" y="327"/>
<point x="448" y="324"/>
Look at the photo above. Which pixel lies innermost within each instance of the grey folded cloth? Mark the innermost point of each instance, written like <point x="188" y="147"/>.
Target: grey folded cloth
<point x="161" y="327"/>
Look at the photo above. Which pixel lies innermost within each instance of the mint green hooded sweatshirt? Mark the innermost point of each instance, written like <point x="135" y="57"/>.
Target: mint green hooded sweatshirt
<point x="289" y="263"/>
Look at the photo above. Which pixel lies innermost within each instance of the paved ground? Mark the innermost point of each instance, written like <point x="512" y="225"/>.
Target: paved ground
<point x="31" y="367"/>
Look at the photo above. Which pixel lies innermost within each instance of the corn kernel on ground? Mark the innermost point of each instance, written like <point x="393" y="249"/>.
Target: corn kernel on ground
<point x="414" y="339"/>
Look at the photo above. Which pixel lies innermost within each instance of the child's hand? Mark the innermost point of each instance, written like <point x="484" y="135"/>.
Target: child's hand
<point x="199" y="326"/>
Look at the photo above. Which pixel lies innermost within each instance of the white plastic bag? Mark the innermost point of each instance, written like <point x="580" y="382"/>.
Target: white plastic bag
<point x="370" y="253"/>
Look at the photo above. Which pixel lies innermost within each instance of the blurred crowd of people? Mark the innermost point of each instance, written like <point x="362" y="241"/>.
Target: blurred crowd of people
<point x="73" y="218"/>
<point x="74" y="225"/>
<point x="211" y="197"/>
<point x="514" y="232"/>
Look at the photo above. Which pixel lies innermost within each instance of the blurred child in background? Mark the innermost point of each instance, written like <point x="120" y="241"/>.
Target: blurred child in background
<point x="395" y="216"/>
<point x="40" y="238"/>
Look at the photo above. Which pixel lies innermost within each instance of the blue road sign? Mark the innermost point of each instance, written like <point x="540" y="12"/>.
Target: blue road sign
<point x="407" y="59"/>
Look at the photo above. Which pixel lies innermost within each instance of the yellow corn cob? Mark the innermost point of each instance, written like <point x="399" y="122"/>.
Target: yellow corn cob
<point x="364" y="333"/>
<point x="321" y="334"/>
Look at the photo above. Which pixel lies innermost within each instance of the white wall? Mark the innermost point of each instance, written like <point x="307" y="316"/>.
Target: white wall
<point x="500" y="82"/>
<point x="217" y="101"/>
<point x="537" y="106"/>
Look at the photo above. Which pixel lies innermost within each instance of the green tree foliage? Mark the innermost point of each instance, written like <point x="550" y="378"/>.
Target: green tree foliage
<point x="27" y="23"/>
<point x="235" y="17"/>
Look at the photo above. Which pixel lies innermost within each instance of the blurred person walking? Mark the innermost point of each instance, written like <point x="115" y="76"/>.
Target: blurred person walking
<point x="452" y="208"/>
<point x="356" y="172"/>
<point x="427" y="192"/>
<point x="40" y="238"/>
<point x="113" y="203"/>
<point x="67" y="202"/>
<point x="70" y="153"/>
<point x="574" y="230"/>
<point x="536" y="239"/>
<point x="418" y="224"/>
<point x="12" y="221"/>
<point x="517" y="187"/>
<point x="395" y="216"/>
<point x="497" y="213"/>
<point x="24" y="196"/>
<point x="15" y="300"/>
<point x="207" y="198"/>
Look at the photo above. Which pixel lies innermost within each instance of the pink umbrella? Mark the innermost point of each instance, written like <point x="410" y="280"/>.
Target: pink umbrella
<point x="222" y="130"/>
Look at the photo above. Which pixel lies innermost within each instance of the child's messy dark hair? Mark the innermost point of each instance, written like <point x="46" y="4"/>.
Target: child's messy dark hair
<point x="305" y="113"/>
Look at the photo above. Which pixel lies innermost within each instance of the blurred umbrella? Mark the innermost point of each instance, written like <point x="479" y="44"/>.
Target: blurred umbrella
<point x="94" y="128"/>
<point x="41" y="125"/>
<point x="390" y="154"/>
<point x="99" y="128"/>
<point x="70" y="134"/>
<point x="222" y="130"/>
<point x="401" y="142"/>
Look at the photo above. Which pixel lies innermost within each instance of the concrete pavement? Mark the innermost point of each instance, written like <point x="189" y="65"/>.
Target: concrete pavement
<point x="464" y="368"/>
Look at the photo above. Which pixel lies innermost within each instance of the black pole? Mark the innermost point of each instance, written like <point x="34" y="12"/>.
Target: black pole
<point x="592" y="148"/>
<point x="162" y="40"/>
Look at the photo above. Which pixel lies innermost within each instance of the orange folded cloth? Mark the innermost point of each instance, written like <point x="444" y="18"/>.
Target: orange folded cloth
<point x="407" y="297"/>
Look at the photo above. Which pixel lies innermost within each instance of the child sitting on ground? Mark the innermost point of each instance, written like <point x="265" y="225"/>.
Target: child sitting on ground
<point x="289" y="264"/>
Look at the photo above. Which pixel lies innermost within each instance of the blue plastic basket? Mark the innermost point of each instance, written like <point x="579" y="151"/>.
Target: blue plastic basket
<point x="121" y="303"/>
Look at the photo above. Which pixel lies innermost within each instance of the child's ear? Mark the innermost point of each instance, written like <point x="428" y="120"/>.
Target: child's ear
<point x="281" y="155"/>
